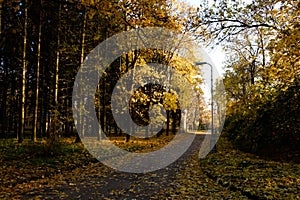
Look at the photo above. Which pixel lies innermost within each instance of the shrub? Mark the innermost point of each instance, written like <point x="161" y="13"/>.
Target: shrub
<point x="268" y="125"/>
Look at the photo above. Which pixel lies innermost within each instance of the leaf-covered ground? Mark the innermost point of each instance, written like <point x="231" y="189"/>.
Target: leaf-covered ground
<point x="25" y="173"/>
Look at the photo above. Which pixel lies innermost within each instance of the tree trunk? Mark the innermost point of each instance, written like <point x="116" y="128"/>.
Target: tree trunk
<point x="174" y="122"/>
<point x="127" y="69"/>
<point x="36" y="107"/>
<point x="56" y="73"/>
<point x="3" y="121"/>
<point x="99" y="116"/>
<point x="23" y="83"/>
<point x="252" y="71"/>
<point x="81" y="120"/>
<point x="168" y="123"/>
<point x="54" y="118"/>
<point x="3" y="111"/>
<point x="67" y="121"/>
<point x="1" y="5"/>
<point x="17" y="118"/>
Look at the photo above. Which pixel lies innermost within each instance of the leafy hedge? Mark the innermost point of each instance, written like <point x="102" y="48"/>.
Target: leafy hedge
<point x="272" y="124"/>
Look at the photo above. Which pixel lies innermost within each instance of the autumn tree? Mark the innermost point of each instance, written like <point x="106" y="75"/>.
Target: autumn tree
<point x="263" y="63"/>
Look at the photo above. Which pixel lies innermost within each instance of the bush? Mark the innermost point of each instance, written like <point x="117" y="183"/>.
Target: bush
<point x="273" y="124"/>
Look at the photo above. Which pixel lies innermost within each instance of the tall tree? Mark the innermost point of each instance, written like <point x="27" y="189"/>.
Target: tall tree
<point x="36" y="107"/>
<point x="54" y="115"/>
<point x="23" y="82"/>
<point x="82" y="56"/>
<point x="1" y="4"/>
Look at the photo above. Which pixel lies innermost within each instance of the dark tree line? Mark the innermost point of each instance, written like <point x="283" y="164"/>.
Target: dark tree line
<point x="42" y="45"/>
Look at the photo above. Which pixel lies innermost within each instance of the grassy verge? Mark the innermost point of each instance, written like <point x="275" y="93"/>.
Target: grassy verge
<point x="26" y="162"/>
<point x="253" y="176"/>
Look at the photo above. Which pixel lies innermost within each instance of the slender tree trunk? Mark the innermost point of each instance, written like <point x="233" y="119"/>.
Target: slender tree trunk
<point x="81" y="120"/>
<point x="263" y="50"/>
<point x="99" y="134"/>
<point x="36" y="107"/>
<point x="168" y="122"/>
<point x="82" y="57"/>
<point x="67" y="123"/>
<point x="4" y="110"/>
<point x="168" y="111"/>
<point x="261" y="34"/>
<point x="17" y="118"/>
<point x="57" y="61"/>
<point x="1" y="5"/>
<point x="54" y="114"/>
<point x="104" y="123"/>
<point x="185" y="122"/>
<point x="174" y="122"/>
<point x="99" y="115"/>
<point x="252" y="71"/>
<point x="4" y="103"/>
<point x="103" y="118"/>
<point x="3" y="114"/>
<point x="42" y="118"/>
<point x="23" y="85"/>
<point x="127" y="69"/>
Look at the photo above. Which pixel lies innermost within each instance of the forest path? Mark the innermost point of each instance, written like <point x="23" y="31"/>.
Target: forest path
<point x="184" y="179"/>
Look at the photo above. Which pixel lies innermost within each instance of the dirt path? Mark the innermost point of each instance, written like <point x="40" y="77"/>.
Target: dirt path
<point x="183" y="179"/>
